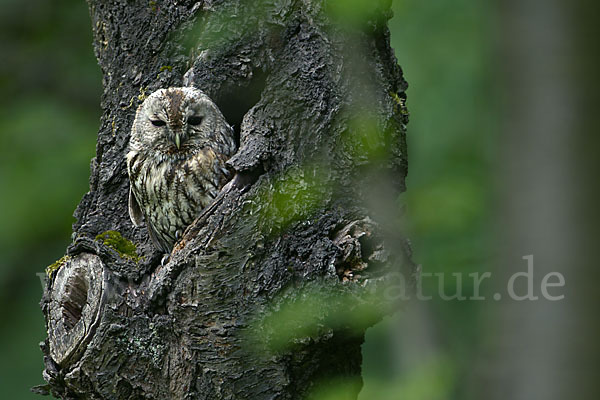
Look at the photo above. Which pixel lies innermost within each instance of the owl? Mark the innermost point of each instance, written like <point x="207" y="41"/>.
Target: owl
<point x="178" y="148"/>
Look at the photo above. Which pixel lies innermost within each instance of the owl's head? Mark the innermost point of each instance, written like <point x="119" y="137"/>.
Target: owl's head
<point x="176" y="121"/>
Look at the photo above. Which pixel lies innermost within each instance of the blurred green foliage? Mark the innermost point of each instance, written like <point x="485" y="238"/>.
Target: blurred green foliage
<point x="446" y="50"/>
<point x="312" y="311"/>
<point x="49" y="116"/>
<point x="290" y="197"/>
<point x="51" y="88"/>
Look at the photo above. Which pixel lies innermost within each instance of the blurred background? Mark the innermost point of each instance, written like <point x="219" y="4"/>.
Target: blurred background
<point x="49" y="117"/>
<point x="496" y="161"/>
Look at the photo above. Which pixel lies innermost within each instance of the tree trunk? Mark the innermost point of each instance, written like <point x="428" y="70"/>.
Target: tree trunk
<point x="268" y="294"/>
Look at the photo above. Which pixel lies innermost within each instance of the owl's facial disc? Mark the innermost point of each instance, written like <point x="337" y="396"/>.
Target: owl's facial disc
<point x="176" y="137"/>
<point x="193" y="120"/>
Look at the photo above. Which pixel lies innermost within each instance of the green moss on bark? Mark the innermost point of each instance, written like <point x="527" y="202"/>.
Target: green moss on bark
<point x="124" y="247"/>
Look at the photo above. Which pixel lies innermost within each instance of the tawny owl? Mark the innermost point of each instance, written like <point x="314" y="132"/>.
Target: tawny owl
<point x="179" y="144"/>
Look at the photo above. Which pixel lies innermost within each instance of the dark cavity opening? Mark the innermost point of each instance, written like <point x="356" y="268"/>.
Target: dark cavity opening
<point x="75" y="297"/>
<point x="235" y="100"/>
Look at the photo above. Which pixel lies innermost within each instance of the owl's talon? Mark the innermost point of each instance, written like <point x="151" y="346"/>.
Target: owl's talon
<point x="165" y="259"/>
<point x="178" y="235"/>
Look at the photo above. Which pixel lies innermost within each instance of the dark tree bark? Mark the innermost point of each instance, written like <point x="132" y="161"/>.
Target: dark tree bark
<point x="271" y="289"/>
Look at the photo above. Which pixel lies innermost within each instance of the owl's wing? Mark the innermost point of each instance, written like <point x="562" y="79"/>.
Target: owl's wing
<point x="159" y="244"/>
<point x="135" y="212"/>
<point x="137" y="217"/>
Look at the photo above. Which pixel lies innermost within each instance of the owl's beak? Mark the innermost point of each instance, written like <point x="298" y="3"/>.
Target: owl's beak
<point x="177" y="141"/>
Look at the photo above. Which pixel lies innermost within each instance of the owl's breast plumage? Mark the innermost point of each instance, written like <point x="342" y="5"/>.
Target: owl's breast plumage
<point x="171" y="191"/>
